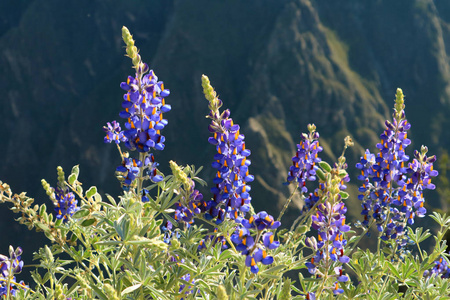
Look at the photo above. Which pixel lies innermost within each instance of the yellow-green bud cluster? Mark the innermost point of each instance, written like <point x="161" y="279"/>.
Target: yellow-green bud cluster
<point x="341" y="160"/>
<point x="110" y="292"/>
<point x="174" y="244"/>
<point x="180" y="175"/>
<point x="48" y="189"/>
<point x="399" y="104"/>
<point x="61" y="176"/>
<point x="210" y="95"/>
<point x="59" y="293"/>
<point x="285" y="293"/>
<point x="221" y="293"/>
<point x="132" y="50"/>
<point x="311" y="128"/>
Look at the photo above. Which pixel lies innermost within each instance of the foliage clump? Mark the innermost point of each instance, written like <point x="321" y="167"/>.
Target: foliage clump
<point x="163" y="239"/>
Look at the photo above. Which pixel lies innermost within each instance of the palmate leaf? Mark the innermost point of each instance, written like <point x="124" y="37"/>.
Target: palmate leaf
<point x="418" y="235"/>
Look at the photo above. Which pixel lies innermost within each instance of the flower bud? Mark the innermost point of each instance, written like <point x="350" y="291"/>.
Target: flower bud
<point x="110" y="291"/>
<point x="311" y="128"/>
<point x="48" y="254"/>
<point x="424" y="149"/>
<point x="180" y="175"/>
<point x="59" y="294"/>
<point x="174" y="244"/>
<point x="348" y="141"/>
<point x="285" y="293"/>
<point x="221" y="293"/>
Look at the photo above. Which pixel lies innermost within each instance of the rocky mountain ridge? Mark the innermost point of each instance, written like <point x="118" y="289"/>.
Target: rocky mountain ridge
<point x="278" y="65"/>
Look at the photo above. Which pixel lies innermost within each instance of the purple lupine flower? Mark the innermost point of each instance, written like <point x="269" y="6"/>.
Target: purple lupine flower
<point x="9" y="266"/>
<point x="304" y="167"/>
<point x="143" y="108"/>
<point x="13" y="264"/>
<point x="254" y="250"/>
<point x="231" y="186"/>
<point x="166" y="228"/>
<point x="189" y="289"/>
<point x="231" y="189"/>
<point x="312" y="198"/>
<point x="114" y="133"/>
<point x="12" y="288"/>
<point x="337" y="290"/>
<point x="65" y="203"/>
<point x="144" y="105"/>
<point x="268" y="241"/>
<point x="214" y="239"/>
<point x="130" y="169"/>
<point x="186" y="208"/>
<point x="145" y="194"/>
<point x="440" y="268"/>
<point x="191" y="200"/>
<point x="329" y="221"/>
<point x="261" y="221"/>
<point x="392" y="190"/>
<point x="151" y="166"/>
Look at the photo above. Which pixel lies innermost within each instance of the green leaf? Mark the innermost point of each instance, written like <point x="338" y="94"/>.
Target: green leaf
<point x="344" y="195"/>
<point x="271" y="276"/>
<point x="342" y="173"/>
<point x="140" y="242"/>
<point x="36" y="277"/>
<point x="131" y="289"/>
<point x="111" y="199"/>
<point x="75" y="170"/>
<point x="122" y="227"/>
<point x="225" y="255"/>
<point x="211" y="270"/>
<point x="91" y="192"/>
<point x="320" y="174"/>
<point x="79" y="189"/>
<point x="99" y="292"/>
<point x="275" y="269"/>
<point x="108" y="243"/>
<point x="88" y="222"/>
<point x="72" y="178"/>
<point x="42" y="209"/>
<point x="170" y="219"/>
<point x="80" y="214"/>
<point x="393" y="269"/>
<point x="189" y="268"/>
<point x="325" y="166"/>
<point x="43" y="226"/>
<point x="301" y="229"/>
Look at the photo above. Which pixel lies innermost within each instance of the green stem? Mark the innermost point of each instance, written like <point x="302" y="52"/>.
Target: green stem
<point x="288" y="201"/>
<point x="141" y="174"/>
<point x="356" y="242"/>
<point x="420" y="251"/>
<point x="8" y="284"/>
<point x="301" y="218"/>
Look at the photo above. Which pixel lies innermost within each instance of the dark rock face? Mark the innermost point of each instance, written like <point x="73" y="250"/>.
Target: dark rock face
<point x="278" y="65"/>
